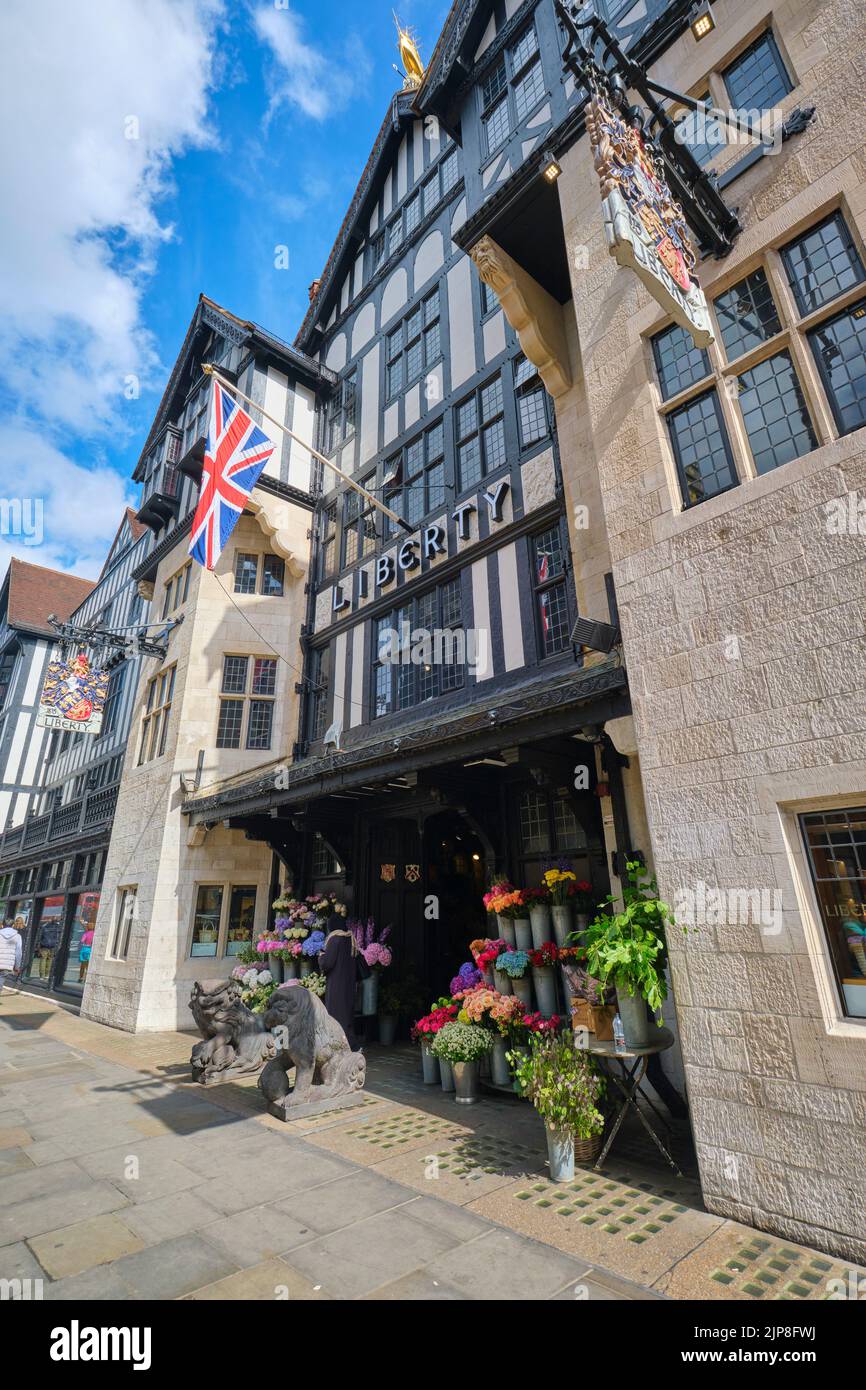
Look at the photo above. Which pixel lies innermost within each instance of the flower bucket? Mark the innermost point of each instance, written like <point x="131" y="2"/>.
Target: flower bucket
<point x="370" y="994"/>
<point x="446" y="1075"/>
<point x="429" y="1066"/>
<point x="581" y="921"/>
<point x="490" y="977"/>
<point x="465" y="1082"/>
<point x="539" y="922"/>
<point x="636" y="1022"/>
<point x="544" y="980"/>
<point x="506" y="930"/>
<point x="305" y="966"/>
<point x="275" y="965"/>
<point x="500" y="1072"/>
<point x="503" y="982"/>
<point x="387" y="1029"/>
<point x="561" y="923"/>
<point x="290" y="970"/>
<point x="523" y="933"/>
<point x="560" y="1154"/>
<point x="523" y="989"/>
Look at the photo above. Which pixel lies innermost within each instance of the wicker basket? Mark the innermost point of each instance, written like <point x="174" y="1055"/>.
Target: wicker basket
<point x="587" y="1150"/>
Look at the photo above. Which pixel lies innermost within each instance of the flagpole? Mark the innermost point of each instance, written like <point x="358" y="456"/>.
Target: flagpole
<point x="374" y="501"/>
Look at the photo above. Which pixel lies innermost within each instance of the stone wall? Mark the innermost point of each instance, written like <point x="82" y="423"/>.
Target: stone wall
<point x="152" y="845"/>
<point x="736" y="737"/>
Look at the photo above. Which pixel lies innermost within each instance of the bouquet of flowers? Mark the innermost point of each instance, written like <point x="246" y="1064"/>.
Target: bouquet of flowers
<point x="325" y="905"/>
<point x="507" y="1013"/>
<point x="315" y="982"/>
<point x="580" y="894"/>
<point x="513" y="903"/>
<point x="496" y="891"/>
<point x="258" y="986"/>
<point x="461" y="1042"/>
<point x="537" y="895"/>
<point x="563" y="1084"/>
<point x="558" y="879"/>
<point x="491" y="949"/>
<point x="371" y="942"/>
<point x="537" y="1023"/>
<point x="444" y="1011"/>
<point x="513" y="963"/>
<point x="314" y="944"/>
<point x="547" y="954"/>
<point x="467" y="977"/>
<point x="269" y="945"/>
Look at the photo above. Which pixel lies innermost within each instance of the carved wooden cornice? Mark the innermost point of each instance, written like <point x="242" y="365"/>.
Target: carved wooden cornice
<point x="496" y="270"/>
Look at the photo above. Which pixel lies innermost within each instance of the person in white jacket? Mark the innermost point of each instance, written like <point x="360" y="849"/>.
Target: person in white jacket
<point x="10" y="952"/>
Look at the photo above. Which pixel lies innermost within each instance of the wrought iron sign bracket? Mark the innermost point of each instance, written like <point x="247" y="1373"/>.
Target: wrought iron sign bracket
<point x="601" y="64"/>
<point x="121" y="646"/>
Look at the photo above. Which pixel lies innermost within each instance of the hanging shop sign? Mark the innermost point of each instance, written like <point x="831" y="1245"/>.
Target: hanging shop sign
<point x="73" y="696"/>
<point x="645" y="227"/>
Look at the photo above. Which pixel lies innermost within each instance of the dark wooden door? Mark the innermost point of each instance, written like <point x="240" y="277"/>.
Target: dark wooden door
<point x="397" y="893"/>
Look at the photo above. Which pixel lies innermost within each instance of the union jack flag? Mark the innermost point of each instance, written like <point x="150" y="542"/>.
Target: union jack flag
<point x="236" y="451"/>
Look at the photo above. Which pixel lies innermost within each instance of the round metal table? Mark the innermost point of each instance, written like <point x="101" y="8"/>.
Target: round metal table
<point x="633" y="1065"/>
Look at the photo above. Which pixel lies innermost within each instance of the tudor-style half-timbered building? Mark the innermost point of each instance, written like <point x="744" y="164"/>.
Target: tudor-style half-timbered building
<point x="56" y="858"/>
<point x="449" y="732"/>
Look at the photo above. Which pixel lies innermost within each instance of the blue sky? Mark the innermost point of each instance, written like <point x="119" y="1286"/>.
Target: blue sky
<point x="156" y="149"/>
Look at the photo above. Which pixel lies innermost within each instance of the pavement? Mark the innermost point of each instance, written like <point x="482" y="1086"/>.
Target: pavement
<point x="122" y="1179"/>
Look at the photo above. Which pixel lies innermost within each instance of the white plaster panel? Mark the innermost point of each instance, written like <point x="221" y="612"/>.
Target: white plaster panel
<point x="494" y="336"/>
<point x="461" y="322"/>
<point x="364" y="327"/>
<point x="429" y="258"/>
<point x="369" y="404"/>
<point x="356" y="706"/>
<point x="390" y="424"/>
<point x="412" y="406"/>
<point x="276" y="401"/>
<point x="481" y="619"/>
<point x="509" y="598"/>
<point x="336" y="358"/>
<point x="303" y="424"/>
<point x="395" y="295"/>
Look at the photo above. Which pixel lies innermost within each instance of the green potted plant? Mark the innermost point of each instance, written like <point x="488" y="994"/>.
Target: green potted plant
<point x="628" y="949"/>
<point x="462" y="1045"/>
<point x="564" y="1085"/>
<point x="399" y="999"/>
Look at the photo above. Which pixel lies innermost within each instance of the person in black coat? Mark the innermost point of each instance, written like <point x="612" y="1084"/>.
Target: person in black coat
<point x="343" y="965"/>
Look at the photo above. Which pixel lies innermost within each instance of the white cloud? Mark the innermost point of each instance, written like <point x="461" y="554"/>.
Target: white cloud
<point x="68" y="514"/>
<point x="81" y="225"/>
<point x="314" y="81"/>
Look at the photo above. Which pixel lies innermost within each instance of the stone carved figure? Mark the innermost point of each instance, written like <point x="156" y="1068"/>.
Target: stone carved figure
<point x="308" y="1038"/>
<point x="236" y="1041"/>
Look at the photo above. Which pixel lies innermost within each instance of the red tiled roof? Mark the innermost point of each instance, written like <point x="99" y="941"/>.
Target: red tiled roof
<point x="34" y="592"/>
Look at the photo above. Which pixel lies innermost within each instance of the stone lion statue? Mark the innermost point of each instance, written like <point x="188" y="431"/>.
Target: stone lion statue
<point x="308" y="1038"/>
<point x="236" y="1041"/>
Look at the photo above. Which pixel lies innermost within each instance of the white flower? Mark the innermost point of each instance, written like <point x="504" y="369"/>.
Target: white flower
<point x="265" y="978"/>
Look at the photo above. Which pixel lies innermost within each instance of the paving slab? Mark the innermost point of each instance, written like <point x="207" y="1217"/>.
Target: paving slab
<point x="333" y="1205"/>
<point x="176" y="1214"/>
<point x="257" y="1234"/>
<point x="33" y="1218"/>
<point x="354" y="1261"/>
<point x="83" y="1245"/>
<point x="17" y="1261"/>
<point x="419" y="1286"/>
<point x="13" y="1137"/>
<point x="272" y="1280"/>
<point x="502" y="1265"/>
<point x="173" y="1268"/>
<point x="14" y="1161"/>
